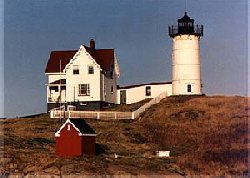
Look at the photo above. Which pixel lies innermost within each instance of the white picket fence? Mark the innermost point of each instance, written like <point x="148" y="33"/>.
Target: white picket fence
<point x="108" y="115"/>
<point x="90" y="114"/>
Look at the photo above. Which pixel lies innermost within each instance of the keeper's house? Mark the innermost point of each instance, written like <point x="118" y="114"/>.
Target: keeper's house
<point x="87" y="79"/>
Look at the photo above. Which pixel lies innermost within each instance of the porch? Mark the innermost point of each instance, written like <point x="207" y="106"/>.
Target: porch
<point x="56" y="91"/>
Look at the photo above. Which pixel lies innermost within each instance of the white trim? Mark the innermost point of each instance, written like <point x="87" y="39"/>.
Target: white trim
<point x="55" y="73"/>
<point x="88" y="135"/>
<point x="91" y="58"/>
<point x="73" y="58"/>
<point x="57" y="134"/>
<point x="81" y="50"/>
<point x="55" y="84"/>
<point x="116" y="66"/>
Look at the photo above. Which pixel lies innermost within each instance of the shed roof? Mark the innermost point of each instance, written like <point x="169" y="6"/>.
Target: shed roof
<point x="80" y="125"/>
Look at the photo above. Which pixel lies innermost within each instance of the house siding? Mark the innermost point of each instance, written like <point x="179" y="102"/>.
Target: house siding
<point x="136" y="94"/>
<point x="110" y="97"/>
<point x="88" y="145"/>
<point x="72" y="81"/>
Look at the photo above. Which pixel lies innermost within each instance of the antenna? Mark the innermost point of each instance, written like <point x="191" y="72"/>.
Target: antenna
<point x="60" y="103"/>
<point x="185" y="5"/>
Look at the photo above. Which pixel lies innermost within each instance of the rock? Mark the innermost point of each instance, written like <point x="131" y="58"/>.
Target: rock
<point x="52" y="170"/>
<point x="30" y="168"/>
<point x="12" y="166"/>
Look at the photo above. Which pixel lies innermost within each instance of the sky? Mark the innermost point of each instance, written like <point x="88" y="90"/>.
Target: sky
<point x="136" y="29"/>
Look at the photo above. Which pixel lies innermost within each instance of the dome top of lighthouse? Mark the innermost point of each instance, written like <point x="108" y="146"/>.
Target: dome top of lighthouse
<point x="185" y="18"/>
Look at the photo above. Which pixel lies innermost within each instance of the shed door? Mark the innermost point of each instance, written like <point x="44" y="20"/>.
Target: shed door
<point x="123" y="97"/>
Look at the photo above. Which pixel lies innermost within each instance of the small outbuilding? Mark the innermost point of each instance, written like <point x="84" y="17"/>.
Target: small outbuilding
<point x="75" y="138"/>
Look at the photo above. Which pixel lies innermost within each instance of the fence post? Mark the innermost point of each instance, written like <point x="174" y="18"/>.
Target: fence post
<point x="69" y="113"/>
<point x="115" y="115"/>
<point x="98" y="115"/>
<point x="133" y="115"/>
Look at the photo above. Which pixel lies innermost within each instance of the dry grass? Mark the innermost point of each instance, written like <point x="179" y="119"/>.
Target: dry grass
<point x="126" y="107"/>
<point x="206" y="135"/>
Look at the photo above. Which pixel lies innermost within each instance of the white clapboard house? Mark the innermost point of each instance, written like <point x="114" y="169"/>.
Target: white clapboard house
<point x="87" y="79"/>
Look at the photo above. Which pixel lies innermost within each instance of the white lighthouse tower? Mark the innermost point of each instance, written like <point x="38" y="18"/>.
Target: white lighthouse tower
<point x="186" y="73"/>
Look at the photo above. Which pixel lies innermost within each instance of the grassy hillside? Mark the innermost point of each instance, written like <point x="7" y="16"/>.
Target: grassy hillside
<point x="206" y="135"/>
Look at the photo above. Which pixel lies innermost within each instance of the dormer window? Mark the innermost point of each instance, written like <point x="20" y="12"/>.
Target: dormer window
<point x="91" y="69"/>
<point x="75" y="69"/>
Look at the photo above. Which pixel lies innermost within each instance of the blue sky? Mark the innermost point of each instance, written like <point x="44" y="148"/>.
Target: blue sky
<point x="136" y="29"/>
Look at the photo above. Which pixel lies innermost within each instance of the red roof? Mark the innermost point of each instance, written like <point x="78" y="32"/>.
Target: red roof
<point x="104" y="57"/>
<point x="139" y="85"/>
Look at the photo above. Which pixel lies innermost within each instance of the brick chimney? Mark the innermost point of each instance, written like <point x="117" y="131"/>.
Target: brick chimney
<point x="92" y="44"/>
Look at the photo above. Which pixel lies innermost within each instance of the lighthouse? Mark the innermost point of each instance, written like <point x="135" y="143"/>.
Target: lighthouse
<point x="186" y="71"/>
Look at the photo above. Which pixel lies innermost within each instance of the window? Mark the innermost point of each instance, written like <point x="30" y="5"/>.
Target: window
<point x="189" y="88"/>
<point x="148" y="91"/>
<point x="91" y="70"/>
<point x="68" y="127"/>
<point x="112" y="89"/>
<point x="84" y="90"/>
<point x="75" y="69"/>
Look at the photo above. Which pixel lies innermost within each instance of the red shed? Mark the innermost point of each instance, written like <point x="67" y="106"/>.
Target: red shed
<point x="75" y="138"/>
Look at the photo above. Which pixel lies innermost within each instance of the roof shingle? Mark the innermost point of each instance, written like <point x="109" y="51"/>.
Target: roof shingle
<point x="53" y="65"/>
<point x="103" y="57"/>
<point x="82" y="126"/>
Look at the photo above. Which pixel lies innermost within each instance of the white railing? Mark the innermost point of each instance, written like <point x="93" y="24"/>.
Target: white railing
<point x="60" y="112"/>
<point x="143" y="108"/>
<point x="90" y="114"/>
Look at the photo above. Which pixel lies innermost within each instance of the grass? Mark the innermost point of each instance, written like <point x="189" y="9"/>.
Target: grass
<point x="126" y="107"/>
<point x="206" y="136"/>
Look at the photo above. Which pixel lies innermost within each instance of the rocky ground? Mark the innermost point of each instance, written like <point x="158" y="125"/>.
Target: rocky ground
<point x="206" y="136"/>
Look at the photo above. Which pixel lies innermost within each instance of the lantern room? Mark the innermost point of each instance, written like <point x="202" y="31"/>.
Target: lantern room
<point x="185" y="27"/>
